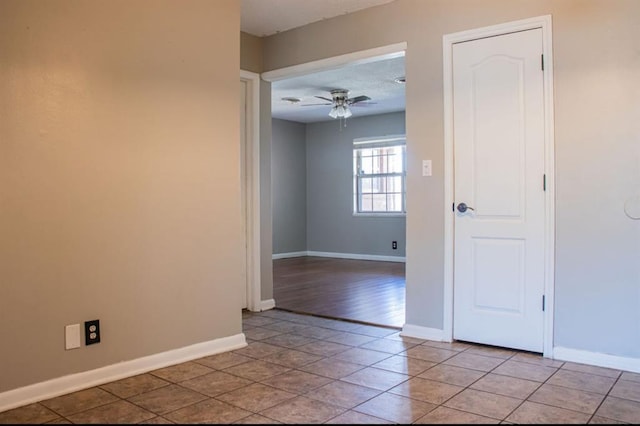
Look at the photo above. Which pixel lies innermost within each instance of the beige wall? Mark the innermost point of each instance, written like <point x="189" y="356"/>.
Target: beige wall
<point x="119" y="179"/>
<point x="597" y="126"/>
<point x="250" y="52"/>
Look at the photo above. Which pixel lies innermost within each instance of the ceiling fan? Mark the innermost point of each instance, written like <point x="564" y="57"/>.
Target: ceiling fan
<point x="341" y="102"/>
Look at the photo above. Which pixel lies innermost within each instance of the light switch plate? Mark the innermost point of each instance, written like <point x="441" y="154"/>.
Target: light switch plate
<point x="426" y="168"/>
<point x="72" y="336"/>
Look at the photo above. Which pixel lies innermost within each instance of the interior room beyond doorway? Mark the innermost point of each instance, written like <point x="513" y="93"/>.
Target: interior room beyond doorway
<point x="367" y="291"/>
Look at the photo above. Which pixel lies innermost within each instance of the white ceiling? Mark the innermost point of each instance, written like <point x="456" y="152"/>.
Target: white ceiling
<point x="374" y="78"/>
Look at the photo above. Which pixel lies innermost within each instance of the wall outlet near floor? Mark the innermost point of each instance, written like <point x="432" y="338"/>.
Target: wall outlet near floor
<point x="394" y="245"/>
<point x="91" y="332"/>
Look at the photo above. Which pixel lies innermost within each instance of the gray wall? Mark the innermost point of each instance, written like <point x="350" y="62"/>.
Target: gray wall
<point x="331" y="226"/>
<point x="597" y="152"/>
<point x="289" y="186"/>
<point x="312" y="189"/>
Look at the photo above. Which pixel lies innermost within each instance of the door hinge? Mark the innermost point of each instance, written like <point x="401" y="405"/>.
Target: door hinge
<point x="544" y="182"/>
<point x="543" y="302"/>
<point x="453" y="207"/>
<point x="542" y="62"/>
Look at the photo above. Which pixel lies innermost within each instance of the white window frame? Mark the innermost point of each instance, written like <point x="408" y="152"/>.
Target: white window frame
<point x="379" y="142"/>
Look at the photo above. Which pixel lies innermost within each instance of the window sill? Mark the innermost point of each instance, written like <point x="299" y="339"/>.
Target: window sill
<point x="379" y="215"/>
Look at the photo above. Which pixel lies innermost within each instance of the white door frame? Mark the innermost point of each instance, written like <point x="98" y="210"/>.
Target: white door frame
<point x="252" y="182"/>
<point x="360" y="57"/>
<point x="448" y="41"/>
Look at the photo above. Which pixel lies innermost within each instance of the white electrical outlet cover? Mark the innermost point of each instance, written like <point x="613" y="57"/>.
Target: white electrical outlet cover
<point x="426" y="168"/>
<point x="72" y="336"/>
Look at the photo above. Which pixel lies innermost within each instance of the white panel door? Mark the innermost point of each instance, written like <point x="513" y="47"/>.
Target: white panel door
<point x="498" y="109"/>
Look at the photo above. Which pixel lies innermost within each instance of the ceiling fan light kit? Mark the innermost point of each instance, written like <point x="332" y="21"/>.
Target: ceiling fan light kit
<point x="340" y="111"/>
<point x="341" y="102"/>
<point x="340" y="108"/>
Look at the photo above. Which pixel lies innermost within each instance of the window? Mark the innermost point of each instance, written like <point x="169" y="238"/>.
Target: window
<point x="379" y="172"/>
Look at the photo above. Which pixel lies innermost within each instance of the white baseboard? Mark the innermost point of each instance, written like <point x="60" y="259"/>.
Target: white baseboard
<point x="288" y="255"/>
<point x="265" y="305"/>
<point x="357" y="256"/>
<point x="354" y="256"/>
<point x="87" y="379"/>
<point x="597" y="359"/>
<point x="426" y="333"/>
<point x="559" y="353"/>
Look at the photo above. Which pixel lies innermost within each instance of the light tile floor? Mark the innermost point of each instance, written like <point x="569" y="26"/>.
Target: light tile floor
<point x="305" y="369"/>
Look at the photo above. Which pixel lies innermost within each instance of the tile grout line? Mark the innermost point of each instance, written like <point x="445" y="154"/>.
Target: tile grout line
<point x="605" y="397"/>
<point x="486" y="373"/>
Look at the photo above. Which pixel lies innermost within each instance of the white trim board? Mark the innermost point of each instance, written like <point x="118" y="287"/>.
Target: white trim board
<point x="289" y="255"/>
<point x="597" y="359"/>
<point x="420" y="332"/>
<point x="400" y="259"/>
<point x="448" y="40"/>
<point x="265" y="305"/>
<point x="559" y="353"/>
<point x="87" y="379"/>
<point x="361" y="57"/>
<point x="252" y="167"/>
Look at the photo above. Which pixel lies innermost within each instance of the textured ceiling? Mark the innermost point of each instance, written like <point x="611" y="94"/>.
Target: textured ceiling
<point x="266" y="17"/>
<point x="373" y="79"/>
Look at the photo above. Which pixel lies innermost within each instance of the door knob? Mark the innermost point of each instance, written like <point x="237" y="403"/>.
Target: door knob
<point x="462" y="207"/>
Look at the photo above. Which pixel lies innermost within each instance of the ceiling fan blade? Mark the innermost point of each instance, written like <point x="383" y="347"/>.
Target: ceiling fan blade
<point x="358" y="99"/>
<point x="326" y="99"/>
<point x="363" y="104"/>
<point x="315" y="104"/>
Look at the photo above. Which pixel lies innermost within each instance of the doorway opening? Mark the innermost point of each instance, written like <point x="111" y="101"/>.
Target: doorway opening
<point x="339" y="237"/>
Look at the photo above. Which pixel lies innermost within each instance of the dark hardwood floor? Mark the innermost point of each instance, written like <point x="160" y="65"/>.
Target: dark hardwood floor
<point x="366" y="291"/>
